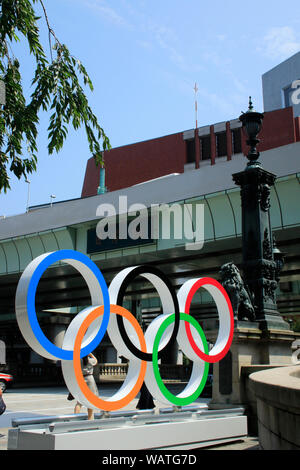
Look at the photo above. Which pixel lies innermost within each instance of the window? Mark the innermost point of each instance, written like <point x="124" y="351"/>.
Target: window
<point x="191" y="153"/>
<point x="205" y="147"/>
<point x="221" y="144"/>
<point x="237" y="141"/>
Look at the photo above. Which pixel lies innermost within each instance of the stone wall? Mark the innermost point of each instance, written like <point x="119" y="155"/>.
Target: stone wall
<point x="248" y="394"/>
<point x="277" y="393"/>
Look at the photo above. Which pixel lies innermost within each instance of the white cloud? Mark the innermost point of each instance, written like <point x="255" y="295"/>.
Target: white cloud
<point x="173" y="53"/>
<point x="145" y="44"/>
<point x="227" y="104"/>
<point x="148" y="32"/>
<point x="280" y="42"/>
<point x="221" y="37"/>
<point x="216" y="58"/>
<point x="107" y="11"/>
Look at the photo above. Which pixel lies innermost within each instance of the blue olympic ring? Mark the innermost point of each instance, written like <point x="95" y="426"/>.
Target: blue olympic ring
<point x="41" y="268"/>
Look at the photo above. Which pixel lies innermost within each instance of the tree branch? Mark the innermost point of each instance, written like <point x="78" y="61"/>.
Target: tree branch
<point x="50" y="30"/>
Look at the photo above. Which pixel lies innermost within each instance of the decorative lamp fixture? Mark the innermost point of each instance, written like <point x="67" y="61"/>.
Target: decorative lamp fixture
<point x="252" y="125"/>
<point x="278" y="258"/>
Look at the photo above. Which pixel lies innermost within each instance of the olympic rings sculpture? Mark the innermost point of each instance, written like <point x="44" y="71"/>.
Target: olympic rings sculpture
<point x="107" y="314"/>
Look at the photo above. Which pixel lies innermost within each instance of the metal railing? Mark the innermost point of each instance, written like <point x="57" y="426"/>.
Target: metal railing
<point x="51" y="373"/>
<point x="171" y="372"/>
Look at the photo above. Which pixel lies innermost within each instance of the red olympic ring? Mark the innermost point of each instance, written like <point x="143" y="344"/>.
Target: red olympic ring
<point x="211" y="358"/>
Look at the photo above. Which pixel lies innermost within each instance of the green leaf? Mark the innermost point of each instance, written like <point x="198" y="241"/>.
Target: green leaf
<point x="56" y="84"/>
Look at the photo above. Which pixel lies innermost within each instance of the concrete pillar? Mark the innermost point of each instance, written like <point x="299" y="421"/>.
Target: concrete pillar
<point x="2" y="352"/>
<point x="229" y="141"/>
<point x="55" y="328"/>
<point x="213" y="145"/>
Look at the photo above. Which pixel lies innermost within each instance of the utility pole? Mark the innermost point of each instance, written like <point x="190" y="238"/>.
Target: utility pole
<point x="2" y="93"/>
<point x="28" y="194"/>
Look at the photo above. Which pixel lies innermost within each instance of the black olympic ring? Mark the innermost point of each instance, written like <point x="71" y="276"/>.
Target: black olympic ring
<point x="142" y="270"/>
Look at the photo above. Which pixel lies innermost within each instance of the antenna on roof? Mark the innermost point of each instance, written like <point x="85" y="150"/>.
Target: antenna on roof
<point x="52" y="196"/>
<point x="28" y="194"/>
<point x="196" y="105"/>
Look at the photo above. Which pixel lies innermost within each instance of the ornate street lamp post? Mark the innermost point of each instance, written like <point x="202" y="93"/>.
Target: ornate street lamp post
<point x="259" y="267"/>
<point x="252" y="125"/>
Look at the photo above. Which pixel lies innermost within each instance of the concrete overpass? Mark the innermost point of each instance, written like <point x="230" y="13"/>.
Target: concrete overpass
<point x="67" y="225"/>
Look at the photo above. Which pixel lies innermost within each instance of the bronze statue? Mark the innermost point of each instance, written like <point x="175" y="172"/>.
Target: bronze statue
<point x="237" y="291"/>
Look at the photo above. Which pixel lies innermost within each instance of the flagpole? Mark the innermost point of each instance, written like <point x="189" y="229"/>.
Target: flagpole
<point x="196" y="105"/>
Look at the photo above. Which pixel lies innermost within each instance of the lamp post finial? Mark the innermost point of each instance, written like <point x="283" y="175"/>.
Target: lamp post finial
<point x="250" y="104"/>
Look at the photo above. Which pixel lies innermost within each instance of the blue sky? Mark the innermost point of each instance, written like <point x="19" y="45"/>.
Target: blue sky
<point x="144" y="58"/>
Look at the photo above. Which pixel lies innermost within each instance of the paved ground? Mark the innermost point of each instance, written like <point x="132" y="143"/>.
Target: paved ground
<point x="37" y="402"/>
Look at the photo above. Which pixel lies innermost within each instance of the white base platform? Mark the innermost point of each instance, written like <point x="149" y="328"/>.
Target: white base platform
<point x="180" y="430"/>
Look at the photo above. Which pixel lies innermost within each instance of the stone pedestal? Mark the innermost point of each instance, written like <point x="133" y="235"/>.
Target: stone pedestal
<point x="252" y="348"/>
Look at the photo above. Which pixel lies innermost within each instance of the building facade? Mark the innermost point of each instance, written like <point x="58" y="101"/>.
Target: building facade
<point x="188" y="150"/>
<point x="281" y="86"/>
